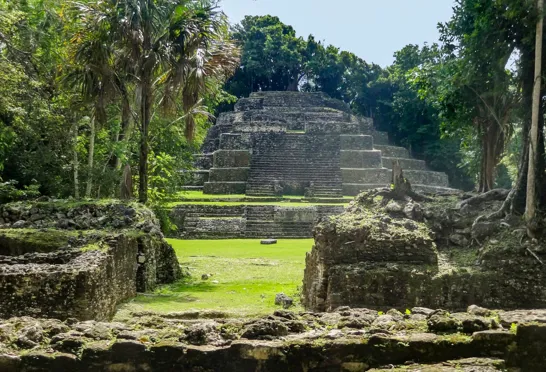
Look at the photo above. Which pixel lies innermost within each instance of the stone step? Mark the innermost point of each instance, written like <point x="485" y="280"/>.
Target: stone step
<point x="458" y="365"/>
<point x="224" y="188"/>
<point x="384" y="176"/>
<point x="412" y="164"/>
<point x="198" y="215"/>
<point x="228" y="174"/>
<point x="231" y="159"/>
<point x="272" y="177"/>
<point x="361" y="159"/>
<point x="276" y="235"/>
<point x="203" y="161"/>
<point x="191" y="188"/>
<point x="356" y="142"/>
<point x="393" y="151"/>
<point x="296" y="173"/>
<point x="282" y="163"/>
<point x="380" y="138"/>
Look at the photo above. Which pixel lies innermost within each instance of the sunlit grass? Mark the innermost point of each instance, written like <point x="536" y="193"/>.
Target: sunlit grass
<point x="245" y="277"/>
<point x="232" y="204"/>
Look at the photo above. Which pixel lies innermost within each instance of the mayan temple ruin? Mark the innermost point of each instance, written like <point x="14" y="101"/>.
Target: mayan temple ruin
<point x="291" y="143"/>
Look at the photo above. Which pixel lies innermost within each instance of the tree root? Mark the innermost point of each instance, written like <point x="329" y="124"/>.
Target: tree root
<point x="535" y="256"/>
<point x="496" y="194"/>
<point x="504" y="209"/>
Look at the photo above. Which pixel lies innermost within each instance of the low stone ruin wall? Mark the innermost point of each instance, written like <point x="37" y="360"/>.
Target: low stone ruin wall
<point x="247" y="221"/>
<point x="434" y="254"/>
<point x="73" y="270"/>
<point x="422" y="339"/>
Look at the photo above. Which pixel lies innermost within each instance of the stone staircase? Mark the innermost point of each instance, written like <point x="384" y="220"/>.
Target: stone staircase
<point x="209" y="221"/>
<point x="292" y="162"/>
<point x="261" y="223"/>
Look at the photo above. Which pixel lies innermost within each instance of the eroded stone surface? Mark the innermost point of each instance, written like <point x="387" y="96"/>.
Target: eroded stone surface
<point x="345" y="340"/>
<point x="378" y="254"/>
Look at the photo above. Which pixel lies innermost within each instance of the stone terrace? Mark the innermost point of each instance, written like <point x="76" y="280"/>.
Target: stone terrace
<point x="294" y="143"/>
<point x="248" y="221"/>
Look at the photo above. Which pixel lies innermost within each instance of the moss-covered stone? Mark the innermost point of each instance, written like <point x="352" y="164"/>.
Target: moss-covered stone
<point x="170" y="344"/>
<point x="54" y="268"/>
<point x="388" y="253"/>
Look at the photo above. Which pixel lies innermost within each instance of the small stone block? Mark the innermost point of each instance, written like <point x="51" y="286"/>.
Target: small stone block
<point x="268" y="241"/>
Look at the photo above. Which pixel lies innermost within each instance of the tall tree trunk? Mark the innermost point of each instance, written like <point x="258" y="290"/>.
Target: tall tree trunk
<point x="126" y="127"/>
<point x="531" y="201"/>
<point x="90" y="159"/>
<point x="76" y="164"/>
<point x="145" y="117"/>
<point x="527" y="71"/>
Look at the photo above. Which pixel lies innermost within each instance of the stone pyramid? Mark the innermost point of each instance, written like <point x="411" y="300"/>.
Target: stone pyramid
<point x="291" y="143"/>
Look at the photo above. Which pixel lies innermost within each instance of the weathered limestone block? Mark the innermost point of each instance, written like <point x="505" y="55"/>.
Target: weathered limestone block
<point x="231" y="159"/>
<point x="225" y="188"/>
<point x="246" y="104"/>
<point x="296" y="214"/>
<point x="350" y="252"/>
<point x="228" y="174"/>
<point x="234" y="141"/>
<point x="361" y="159"/>
<point x="324" y="127"/>
<point x="356" y="142"/>
<point x="219" y="227"/>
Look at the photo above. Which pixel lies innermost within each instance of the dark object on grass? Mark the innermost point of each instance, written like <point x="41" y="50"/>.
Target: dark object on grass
<point x="268" y="241"/>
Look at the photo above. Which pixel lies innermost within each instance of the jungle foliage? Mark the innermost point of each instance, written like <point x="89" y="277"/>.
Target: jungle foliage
<point x="89" y="87"/>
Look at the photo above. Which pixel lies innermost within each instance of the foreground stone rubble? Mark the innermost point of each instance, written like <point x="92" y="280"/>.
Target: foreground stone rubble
<point x="344" y="340"/>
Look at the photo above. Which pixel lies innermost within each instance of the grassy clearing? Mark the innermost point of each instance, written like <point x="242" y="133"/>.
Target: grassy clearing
<point x="232" y="204"/>
<point x="194" y="195"/>
<point x="248" y="276"/>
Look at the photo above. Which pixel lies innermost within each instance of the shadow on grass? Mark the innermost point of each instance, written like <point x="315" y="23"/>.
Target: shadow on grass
<point x="159" y="299"/>
<point x="185" y="286"/>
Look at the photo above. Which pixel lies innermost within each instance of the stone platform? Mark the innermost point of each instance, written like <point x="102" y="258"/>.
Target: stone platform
<point x="59" y="260"/>
<point x="290" y="143"/>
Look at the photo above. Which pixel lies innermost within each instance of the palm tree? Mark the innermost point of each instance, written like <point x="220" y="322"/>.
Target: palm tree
<point x="92" y="73"/>
<point x="174" y="49"/>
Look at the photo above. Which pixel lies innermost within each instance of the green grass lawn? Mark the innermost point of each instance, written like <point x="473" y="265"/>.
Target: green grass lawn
<point x="286" y="203"/>
<point x="248" y="276"/>
<point x="197" y="197"/>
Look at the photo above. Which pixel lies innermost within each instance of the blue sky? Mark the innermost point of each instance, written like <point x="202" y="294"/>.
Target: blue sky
<point x="372" y="29"/>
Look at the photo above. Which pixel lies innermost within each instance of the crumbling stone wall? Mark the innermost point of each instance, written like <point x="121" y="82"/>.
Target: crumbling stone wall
<point x="401" y="254"/>
<point x="59" y="266"/>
